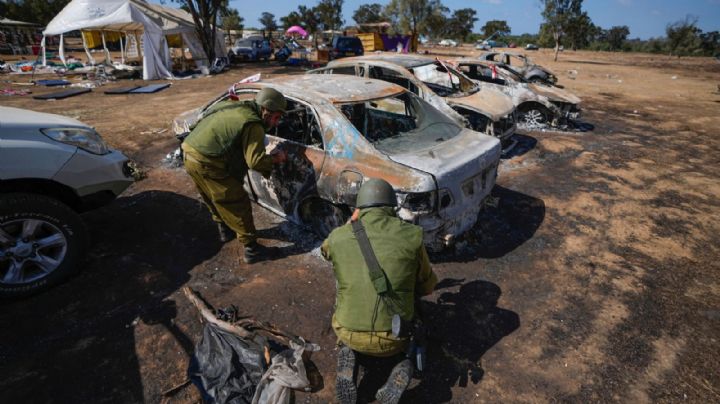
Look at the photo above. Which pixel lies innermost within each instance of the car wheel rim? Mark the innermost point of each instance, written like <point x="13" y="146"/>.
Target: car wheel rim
<point x="30" y="249"/>
<point x="534" y="117"/>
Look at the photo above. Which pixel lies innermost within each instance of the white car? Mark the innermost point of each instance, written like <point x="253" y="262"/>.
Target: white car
<point x="486" y="110"/>
<point x="339" y="131"/>
<point x="448" y="42"/>
<point x="51" y="168"/>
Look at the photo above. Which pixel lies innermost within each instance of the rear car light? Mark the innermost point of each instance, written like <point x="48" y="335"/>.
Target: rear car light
<point x="420" y="202"/>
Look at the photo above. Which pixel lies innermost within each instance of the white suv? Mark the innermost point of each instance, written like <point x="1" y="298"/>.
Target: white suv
<point x="51" y="169"/>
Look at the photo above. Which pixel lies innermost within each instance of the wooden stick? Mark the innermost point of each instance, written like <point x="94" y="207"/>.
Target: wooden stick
<point x="209" y="317"/>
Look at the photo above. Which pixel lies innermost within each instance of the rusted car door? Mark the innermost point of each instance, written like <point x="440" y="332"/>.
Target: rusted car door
<point x="299" y="134"/>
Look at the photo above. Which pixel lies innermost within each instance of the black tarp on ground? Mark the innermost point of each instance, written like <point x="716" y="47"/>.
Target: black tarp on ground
<point x="226" y="368"/>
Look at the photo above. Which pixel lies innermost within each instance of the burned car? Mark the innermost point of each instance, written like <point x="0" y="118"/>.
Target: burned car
<point x="537" y="104"/>
<point x="485" y="110"/>
<point x="523" y="65"/>
<point x="339" y="131"/>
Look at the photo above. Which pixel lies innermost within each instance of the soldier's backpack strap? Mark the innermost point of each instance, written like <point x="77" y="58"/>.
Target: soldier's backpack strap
<point x="377" y="275"/>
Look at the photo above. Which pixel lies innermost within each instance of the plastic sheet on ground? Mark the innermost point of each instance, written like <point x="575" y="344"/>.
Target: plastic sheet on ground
<point x="286" y="373"/>
<point x="226" y="368"/>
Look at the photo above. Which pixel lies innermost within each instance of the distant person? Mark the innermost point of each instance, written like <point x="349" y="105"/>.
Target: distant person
<point x="227" y="142"/>
<point x="368" y="298"/>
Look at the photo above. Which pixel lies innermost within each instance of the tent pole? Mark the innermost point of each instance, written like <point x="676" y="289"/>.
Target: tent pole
<point x="42" y="49"/>
<point x="61" y="50"/>
<point x="108" y="61"/>
<point x="122" y="49"/>
<point x="87" y="51"/>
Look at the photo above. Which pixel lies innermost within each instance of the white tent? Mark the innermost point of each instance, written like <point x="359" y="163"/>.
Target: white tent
<point x="144" y="25"/>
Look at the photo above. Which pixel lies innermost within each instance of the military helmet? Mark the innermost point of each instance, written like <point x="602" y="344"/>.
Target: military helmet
<point x="376" y="192"/>
<point x="271" y="99"/>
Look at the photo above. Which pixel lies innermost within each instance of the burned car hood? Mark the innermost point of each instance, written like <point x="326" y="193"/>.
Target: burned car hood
<point x="489" y="101"/>
<point x="554" y="93"/>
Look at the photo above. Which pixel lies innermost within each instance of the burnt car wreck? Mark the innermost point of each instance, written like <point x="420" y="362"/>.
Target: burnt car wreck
<point x="537" y="104"/>
<point x="340" y="130"/>
<point x="485" y="110"/>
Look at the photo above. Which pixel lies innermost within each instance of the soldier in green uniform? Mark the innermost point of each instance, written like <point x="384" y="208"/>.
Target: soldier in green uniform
<point x="363" y="316"/>
<point x="221" y="148"/>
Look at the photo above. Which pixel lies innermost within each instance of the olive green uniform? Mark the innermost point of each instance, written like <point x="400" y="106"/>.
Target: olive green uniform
<point x="218" y="153"/>
<point x="362" y="320"/>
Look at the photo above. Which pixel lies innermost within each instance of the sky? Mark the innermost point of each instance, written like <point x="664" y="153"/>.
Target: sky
<point x="646" y="18"/>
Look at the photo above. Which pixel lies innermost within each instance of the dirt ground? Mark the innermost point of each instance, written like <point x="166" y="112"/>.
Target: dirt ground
<point x="594" y="279"/>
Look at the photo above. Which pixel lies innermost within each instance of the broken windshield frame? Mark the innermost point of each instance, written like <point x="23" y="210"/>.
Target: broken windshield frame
<point x="400" y="124"/>
<point x="444" y="80"/>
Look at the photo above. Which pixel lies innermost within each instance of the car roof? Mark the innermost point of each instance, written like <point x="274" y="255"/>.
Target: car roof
<point x="335" y="88"/>
<point x="406" y="61"/>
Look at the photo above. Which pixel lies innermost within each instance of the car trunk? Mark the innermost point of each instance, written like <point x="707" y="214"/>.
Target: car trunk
<point x="464" y="165"/>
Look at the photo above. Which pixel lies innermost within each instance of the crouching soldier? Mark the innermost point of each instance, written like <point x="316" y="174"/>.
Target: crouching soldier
<point x="227" y="142"/>
<point x="381" y="266"/>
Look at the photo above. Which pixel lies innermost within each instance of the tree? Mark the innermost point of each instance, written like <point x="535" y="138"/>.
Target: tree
<point x="268" y="22"/>
<point x="495" y="26"/>
<point x="294" y="18"/>
<point x="558" y="14"/>
<point x="710" y="43"/>
<point x="205" y="15"/>
<point x="35" y="11"/>
<point x="580" y="31"/>
<point x="461" y="23"/>
<point x="617" y="35"/>
<point x="683" y="36"/>
<point x="310" y="21"/>
<point x="437" y="23"/>
<point x="231" y="20"/>
<point x="330" y="14"/>
<point x="368" y="14"/>
<point x="411" y="15"/>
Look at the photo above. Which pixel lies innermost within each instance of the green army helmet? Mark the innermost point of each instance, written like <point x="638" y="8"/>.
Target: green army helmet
<point x="376" y="192"/>
<point x="271" y="99"/>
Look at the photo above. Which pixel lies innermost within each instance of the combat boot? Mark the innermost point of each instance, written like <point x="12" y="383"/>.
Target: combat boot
<point x="254" y="252"/>
<point x="396" y="383"/>
<point x="345" y="389"/>
<point x="225" y="233"/>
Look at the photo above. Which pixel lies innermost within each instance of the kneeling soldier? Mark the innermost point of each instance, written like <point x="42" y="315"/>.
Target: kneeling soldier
<point x="381" y="266"/>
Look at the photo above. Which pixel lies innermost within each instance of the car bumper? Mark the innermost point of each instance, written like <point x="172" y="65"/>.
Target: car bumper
<point x="90" y="174"/>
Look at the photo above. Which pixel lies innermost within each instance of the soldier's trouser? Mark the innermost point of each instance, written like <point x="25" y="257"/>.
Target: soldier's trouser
<point x="223" y="194"/>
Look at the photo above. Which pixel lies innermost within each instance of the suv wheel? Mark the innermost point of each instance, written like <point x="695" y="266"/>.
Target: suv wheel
<point x="41" y="242"/>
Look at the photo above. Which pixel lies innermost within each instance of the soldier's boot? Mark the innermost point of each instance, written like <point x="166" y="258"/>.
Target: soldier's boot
<point x="254" y="252"/>
<point x="396" y="383"/>
<point x="225" y="233"/>
<point x="345" y="389"/>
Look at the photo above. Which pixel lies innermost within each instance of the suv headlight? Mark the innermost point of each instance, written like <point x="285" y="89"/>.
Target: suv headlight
<point x="86" y="139"/>
<point x="420" y="202"/>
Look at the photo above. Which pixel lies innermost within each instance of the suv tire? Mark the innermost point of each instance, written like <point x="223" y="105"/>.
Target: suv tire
<point x="41" y="243"/>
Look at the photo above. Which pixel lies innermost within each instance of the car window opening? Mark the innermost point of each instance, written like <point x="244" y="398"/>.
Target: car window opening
<point x="401" y="123"/>
<point x="444" y="82"/>
<point x="299" y="125"/>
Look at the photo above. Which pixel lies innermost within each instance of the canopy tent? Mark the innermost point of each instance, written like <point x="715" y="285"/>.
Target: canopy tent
<point x="296" y="29"/>
<point x="144" y="26"/>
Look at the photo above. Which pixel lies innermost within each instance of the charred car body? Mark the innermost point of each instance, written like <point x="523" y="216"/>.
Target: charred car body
<point x="485" y="110"/>
<point x="537" y="104"/>
<point x="339" y="131"/>
<point x="523" y="65"/>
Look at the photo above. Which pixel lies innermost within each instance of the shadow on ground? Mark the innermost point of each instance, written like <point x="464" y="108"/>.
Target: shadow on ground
<point x="76" y="342"/>
<point x="524" y="144"/>
<point x="462" y="326"/>
<point x="499" y="229"/>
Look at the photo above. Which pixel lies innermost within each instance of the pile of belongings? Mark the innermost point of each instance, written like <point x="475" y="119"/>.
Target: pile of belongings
<point x="243" y="360"/>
